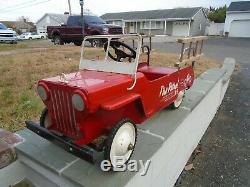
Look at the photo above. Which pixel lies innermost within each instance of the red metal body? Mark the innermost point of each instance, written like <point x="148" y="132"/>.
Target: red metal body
<point x="107" y="99"/>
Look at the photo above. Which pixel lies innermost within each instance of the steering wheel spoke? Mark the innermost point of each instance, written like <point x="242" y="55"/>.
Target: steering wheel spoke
<point x="120" y="53"/>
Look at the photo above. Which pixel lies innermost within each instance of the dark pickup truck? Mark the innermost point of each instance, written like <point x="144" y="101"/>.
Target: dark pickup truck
<point x="72" y="32"/>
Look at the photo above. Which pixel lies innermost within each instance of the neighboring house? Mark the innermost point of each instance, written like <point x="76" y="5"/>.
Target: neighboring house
<point x="50" y="20"/>
<point x="20" y="26"/>
<point x="237" y="22"/>
<point x="174" y="22"/>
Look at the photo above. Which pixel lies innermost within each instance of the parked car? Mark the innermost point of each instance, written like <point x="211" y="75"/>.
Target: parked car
<point x="44" y="34"/>
<point x="7" y="35"/>
<point x="31" y="36"/>
<point x="72" y="32"/>
<point x="107" y="97"/>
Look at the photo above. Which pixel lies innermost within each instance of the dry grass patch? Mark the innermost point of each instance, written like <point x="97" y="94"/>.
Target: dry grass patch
<point x="19" y="74"/>
<point x="5" y="47"/>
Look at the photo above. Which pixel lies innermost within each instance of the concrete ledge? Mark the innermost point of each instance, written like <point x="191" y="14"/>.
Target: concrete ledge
<point x="168" y="139"/>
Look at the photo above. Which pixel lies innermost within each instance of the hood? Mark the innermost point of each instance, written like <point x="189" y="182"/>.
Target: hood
<point x="112" y="26"/>
<point x="91" y="81"/>
<point x="7" y="31"/>
<point x="105" y="25"/>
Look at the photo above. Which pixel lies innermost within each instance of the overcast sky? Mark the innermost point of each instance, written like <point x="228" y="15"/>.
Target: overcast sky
<point x="34" y="9"/>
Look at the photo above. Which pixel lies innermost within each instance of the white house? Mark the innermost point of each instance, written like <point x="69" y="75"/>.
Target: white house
<point x="50" y="20"/>
<point x="237" y="22"/>
<point x="173" y="22"/>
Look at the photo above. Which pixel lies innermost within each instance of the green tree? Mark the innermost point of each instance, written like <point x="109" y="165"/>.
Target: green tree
<point x="218" y="15"/>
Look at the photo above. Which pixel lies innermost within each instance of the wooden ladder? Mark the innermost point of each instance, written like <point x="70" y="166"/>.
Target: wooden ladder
<point x="192" y="53"/>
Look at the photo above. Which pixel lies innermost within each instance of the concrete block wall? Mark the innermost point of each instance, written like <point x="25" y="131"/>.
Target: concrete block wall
<point x="168" y="139"/>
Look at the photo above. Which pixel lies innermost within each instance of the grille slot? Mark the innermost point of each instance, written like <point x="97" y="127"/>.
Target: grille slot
<point x="6" y="35"/>
<point x="115" y="30"/>
<point x="64" y="113"/>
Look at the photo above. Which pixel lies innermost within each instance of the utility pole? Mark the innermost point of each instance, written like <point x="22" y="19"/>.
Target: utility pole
<point x="82" y="19"/>
<point x="70" y="11"/>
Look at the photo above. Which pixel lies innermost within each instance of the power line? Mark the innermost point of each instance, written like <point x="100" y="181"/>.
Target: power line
<point x="30" y="5"/>
<point x="16" y="5"/>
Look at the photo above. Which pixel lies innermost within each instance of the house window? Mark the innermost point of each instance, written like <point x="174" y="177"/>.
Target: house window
<point x="145" y="25"/>
<point x="200" y="27"/>
<point x="159" y="24"/>
<point x="153" y="24"/>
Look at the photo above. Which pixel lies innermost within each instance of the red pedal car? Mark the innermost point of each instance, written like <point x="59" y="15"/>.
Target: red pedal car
<point x="108" y="97"/>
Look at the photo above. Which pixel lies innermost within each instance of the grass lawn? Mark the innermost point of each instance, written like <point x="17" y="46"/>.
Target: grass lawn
<point x="19" y="73"/>
<point x="6" y="47"/>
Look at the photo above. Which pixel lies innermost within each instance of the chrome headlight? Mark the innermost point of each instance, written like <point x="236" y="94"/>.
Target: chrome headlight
<point x="78" y="102"/>
<point x="42" y="92"/>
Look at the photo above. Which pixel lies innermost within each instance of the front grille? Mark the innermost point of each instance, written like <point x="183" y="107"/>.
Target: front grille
<point x="6" y="35"/>
<point x="64" y="113"/>
<point x="115" y="30"/>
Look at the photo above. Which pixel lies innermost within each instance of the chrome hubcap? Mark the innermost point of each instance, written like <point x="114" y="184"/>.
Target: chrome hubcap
<point x="123" y="144"/>
<point x="179" y="99"/>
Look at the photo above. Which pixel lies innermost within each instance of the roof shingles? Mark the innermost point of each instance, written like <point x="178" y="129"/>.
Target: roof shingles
<point x="239" y="6"/>
<point x="178" y="13"/>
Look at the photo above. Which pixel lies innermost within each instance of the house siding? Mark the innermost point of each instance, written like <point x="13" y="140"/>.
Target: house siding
<point x="198" y="25"/>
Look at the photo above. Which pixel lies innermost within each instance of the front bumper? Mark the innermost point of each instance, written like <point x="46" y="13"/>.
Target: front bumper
<point x="8" y="39"/>
<point x="85" y="152"/>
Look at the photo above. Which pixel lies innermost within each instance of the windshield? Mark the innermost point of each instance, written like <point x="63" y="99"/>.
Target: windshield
<point x="93" y="20"/>
<point x="3" y="27"/>
<point x="76" y="20"/>
<point x="116" y="54"/>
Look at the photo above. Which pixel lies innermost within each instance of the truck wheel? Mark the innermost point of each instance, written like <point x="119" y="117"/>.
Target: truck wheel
<point x="42" y="37"/>
<point x="45" y="120"/>
<point x="121" y="143"/>
<point x="57" y="40"/>
<point x="177" y="103"/>
<point x="77" y="43"/>
<point x="30" y="38"/>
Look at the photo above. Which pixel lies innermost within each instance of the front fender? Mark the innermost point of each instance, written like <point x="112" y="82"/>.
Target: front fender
<point x="120" y="102"/>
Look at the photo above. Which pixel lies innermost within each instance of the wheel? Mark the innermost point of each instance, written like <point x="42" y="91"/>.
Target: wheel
<point x="57" y="40"/>
<point x="121" y="143"/>
<point x="42" y="37"/>
<point x="30" y="38"/>
<point x="45" y="120"/>
<point x="78" y="43"/>
<point x="177" y="103"/>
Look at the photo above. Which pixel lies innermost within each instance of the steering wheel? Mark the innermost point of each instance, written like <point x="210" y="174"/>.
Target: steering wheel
<point x="120" y="54"/>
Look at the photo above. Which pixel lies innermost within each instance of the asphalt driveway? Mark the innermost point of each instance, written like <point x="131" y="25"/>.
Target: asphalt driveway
<point x="223" y="158"/>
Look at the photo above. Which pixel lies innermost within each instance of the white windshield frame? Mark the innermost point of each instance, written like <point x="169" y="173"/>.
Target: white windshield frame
<point x="128" y="68"/>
